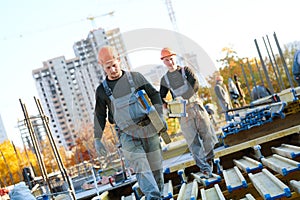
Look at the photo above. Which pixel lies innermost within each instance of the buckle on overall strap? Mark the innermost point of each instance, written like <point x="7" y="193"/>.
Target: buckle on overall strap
<point x="144" y="122"/>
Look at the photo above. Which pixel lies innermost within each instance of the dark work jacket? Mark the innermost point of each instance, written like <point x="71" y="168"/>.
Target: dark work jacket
<point x="176" y="81"/>
<point x="120" y="87"/>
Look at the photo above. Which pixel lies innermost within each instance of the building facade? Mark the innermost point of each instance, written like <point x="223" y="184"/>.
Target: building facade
<point x="3" y="135"/>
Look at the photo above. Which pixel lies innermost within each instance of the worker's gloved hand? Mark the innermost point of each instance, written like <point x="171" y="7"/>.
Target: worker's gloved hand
<point x="100" y="148"/>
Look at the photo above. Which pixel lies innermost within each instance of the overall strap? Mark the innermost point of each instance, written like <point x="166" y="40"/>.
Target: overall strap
<point x="129" y="77"/>
<point x="108" y="91"/>
<point x="168" y="82"/>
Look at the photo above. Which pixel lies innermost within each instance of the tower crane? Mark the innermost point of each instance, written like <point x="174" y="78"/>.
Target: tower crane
<point x="182" y="58"/>
<point x="92" y="18"/>
<point x="172" y="14"/>
<point x="175" y="27"/>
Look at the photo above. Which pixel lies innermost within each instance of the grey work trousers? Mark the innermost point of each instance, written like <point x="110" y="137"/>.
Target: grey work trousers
<point x="144" y="155"/>
<point x="199" y="134"/>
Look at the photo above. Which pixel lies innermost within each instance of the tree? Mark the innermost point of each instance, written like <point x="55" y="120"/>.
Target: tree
<point x="12" y="161"/>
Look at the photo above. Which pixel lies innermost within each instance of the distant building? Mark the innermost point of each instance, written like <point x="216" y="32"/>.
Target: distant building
<point x="67" y="87"/>
<point x="3" y="135"/>
<point x="153" y="73"/>
<point x="39" y="131"/>
<point x="191" y="60"/>
<point x="62" y="98"/>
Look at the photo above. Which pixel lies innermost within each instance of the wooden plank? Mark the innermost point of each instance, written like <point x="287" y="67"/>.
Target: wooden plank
<point x="289" y="151"/>
<point x="248" y="197"/>
<point x="175" y="149"/>
<point x="180" y="166"/>
<point x="295" y="185"/>
<point x="268" y="185"/>
<point x="188" y="191"/>
<point x="168" y="190"/>
<point x="247" y="164"/>
<point x="281" y="164"/>
<point x="257" y="141"/>
<point x="212" y="193"/>
<point x="234" y="179"/>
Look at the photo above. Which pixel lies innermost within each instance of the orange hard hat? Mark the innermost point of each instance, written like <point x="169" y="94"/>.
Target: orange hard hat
<point x="165" y="52"/>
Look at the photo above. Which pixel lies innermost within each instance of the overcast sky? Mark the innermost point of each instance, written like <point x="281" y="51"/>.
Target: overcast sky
<point x="34" y="31"/>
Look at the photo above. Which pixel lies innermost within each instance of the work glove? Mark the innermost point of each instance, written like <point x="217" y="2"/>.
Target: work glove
<point x="100" y="148"/>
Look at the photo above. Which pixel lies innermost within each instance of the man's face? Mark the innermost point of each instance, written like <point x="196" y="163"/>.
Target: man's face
<point x="112" y="69"/>
<point x="170" y="62"/>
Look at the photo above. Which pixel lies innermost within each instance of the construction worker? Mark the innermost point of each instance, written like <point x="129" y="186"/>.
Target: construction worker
<point x="196" y="127"/>
<point x="240" y="89"/>
<point x="139" y="139"/>
<point x="234" y="93"/>
<point x="223" y="96"/>
<point x="296" y="67"/>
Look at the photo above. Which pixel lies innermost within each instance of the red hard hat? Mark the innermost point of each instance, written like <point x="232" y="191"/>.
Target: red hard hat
<point x="165" y="52"/>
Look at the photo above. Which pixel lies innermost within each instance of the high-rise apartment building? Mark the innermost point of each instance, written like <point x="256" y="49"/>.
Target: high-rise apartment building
<point x="3" y="135"/>
<point x="61" y="98"/>
<point x="67" y="87"/>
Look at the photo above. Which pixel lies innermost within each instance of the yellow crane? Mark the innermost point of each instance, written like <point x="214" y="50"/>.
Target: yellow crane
<point x="92" y="18"/>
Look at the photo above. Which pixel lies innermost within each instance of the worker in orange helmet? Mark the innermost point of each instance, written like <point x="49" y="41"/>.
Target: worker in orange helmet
<point x="197" y="129"/>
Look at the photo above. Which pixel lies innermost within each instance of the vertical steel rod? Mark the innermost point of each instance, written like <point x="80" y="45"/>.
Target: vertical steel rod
<point x="276" y="65"/>
<point x="283" y="61"/>
<point x="274" y="70"/>
<point x="264" y="68"/>
<point x="55" y="150"/>
<point x="36" y="146"/>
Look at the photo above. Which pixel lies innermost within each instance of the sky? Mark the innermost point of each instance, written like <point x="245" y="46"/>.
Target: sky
<point x="35" y="31"/>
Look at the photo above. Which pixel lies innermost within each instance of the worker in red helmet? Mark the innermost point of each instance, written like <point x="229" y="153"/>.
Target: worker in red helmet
<point x="197" y="129"/>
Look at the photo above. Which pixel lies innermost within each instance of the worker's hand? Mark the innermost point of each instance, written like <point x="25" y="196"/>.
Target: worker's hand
<point x="100" y="148"/>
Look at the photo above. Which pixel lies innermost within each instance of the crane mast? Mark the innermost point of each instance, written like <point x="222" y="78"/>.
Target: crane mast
<point x="172" y="14"/>
<point x="172" y="17"/>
